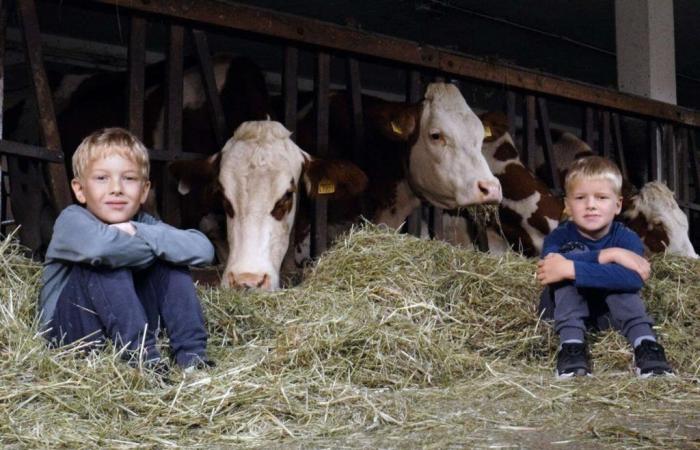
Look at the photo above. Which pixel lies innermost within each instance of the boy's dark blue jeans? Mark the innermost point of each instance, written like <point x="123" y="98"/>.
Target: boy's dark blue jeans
<point x="121" y="304"/>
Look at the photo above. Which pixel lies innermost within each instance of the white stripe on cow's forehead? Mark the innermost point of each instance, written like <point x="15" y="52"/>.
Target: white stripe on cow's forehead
<point x="446" y="96"/>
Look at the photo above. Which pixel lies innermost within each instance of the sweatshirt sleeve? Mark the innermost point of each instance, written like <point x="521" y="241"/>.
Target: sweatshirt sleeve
<point x="181" y="247"/>
<point x="613" y="277"/>
<point x="79" y="237"/>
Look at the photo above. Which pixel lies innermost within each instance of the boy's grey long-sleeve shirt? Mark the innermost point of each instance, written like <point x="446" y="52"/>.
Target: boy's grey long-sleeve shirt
<point x="81" y="238"/>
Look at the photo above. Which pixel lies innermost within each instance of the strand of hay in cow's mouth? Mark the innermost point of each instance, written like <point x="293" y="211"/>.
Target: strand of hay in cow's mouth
<point x="391" y="341"/>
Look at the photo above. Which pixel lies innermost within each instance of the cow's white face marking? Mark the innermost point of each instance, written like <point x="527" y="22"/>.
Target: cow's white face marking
<point x="655" y="200"/>
<point x="446" y="163"/>
<point x="259" y="173"/>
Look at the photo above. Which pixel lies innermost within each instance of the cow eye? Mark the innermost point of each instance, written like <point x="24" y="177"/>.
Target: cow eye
<point x="283" y="205"/>
<point x="435" y="135"/>
<point x="228" y="207"/>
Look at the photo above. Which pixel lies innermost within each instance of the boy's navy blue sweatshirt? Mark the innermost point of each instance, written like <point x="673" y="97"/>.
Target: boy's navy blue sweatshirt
<point x="567" y="241"/>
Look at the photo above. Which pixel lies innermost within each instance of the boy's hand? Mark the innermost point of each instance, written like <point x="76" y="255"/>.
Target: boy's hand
<point x="553" y="268"/>
<point x="628" y="259"/>
<point x="126" y="227"/>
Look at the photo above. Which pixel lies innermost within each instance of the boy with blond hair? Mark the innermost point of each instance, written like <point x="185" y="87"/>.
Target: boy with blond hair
<point x="590" y="261"/>
<point x="112" y="271"/>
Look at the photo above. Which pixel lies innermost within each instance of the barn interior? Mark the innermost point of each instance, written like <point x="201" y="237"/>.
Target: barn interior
<point x="561" y="40"/>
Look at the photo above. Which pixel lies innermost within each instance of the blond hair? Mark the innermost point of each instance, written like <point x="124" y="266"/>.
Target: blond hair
<point x="107" y="142"/>
<point x="594" y="168"/>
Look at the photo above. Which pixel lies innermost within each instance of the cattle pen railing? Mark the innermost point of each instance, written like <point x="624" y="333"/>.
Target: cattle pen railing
<point x="672" y="130"/>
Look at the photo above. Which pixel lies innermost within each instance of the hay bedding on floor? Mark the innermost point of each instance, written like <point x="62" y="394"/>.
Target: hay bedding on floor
<point x="390" y="342"/>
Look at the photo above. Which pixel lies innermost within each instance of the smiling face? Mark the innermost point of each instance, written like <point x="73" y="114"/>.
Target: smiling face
<point x="112" y="188"/>
<point x="592" y="205"/>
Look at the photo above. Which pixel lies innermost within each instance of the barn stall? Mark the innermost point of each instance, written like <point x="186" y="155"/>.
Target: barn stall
<point x="363" y="385"/>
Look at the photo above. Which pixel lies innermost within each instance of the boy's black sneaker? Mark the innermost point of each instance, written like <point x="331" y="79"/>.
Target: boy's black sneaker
<point x="572" y="361"/>
<point x="650" y="360"/>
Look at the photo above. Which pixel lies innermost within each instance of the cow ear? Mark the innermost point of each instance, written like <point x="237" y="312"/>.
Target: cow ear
<point x="335" y="179"/>
<point x="495" y="125"/>
<point x="398" y="122"/>
<point x="195" y="173"/>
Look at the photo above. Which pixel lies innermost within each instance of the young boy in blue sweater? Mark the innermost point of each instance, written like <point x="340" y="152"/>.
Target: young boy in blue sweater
<point x="114" y="272"/>
<point x="592" y="260"/>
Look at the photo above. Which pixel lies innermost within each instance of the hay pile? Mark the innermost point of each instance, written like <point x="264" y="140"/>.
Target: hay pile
<point x="391" y="341"/>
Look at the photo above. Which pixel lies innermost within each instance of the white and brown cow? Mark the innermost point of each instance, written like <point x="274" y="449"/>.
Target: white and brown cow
<point x="257" y="178"/>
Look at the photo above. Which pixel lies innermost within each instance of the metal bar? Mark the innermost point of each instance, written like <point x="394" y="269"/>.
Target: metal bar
<point x="290" y="88"/>
<point x="167" y="155"/>
<point x="56" y="173"/>
<point x="683" y="192"/>
<point x="414" y="91"/>
<point x="694" y="162"/>
<point x="170" y="207"/>
<point x="137" y="71"/>
<point x="358" y="126"/>
<point x="4" y="195"/>
<point x="619" y="148"/>
<point x="511" y="103"/>
<point x="589" y="126"/>
<point x="322" y="84"/>
<point x="529" y="126"/>
<point x="656" y="163"/>
<point x="689" y="205"/>
<point x="337" y="37"/>
<point x="206" y="70"/>
<point x="548" y="147"/>
<point x="672" y="156"/>
<point x="606" y="137"/>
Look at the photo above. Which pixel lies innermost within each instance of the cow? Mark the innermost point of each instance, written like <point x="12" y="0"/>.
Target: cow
<point x="529" y="210"/>
<point x="257" y="178"/>
<point x="430" y="150"/>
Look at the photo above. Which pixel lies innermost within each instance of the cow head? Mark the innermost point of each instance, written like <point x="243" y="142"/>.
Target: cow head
<point x="257" y="178"/>
<point x="445" y="163"/>
<point x="655" y="216"/>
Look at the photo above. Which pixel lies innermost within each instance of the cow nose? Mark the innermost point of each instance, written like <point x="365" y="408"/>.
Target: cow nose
<point x="249" y="280"/>
<point x="490" y="191"/>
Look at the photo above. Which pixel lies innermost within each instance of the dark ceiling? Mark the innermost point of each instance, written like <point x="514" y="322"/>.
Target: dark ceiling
<point x="569" y="38"/>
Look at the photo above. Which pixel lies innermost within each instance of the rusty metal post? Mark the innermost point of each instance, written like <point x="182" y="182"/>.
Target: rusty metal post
<point x="606" y="138"/>
<point x="290" y="88"/>
<point x="56" y="173"/>
<point x="137" y="68"/>
<point x="511" y="103"/>
<point x="589" y="127"/>
<point x="322" y="82"/>
<point x="170" y="208"/>
<point x="529" y="129"/>
<point x="548" y="147"/>
<point x="619" y="148"/>
<point x="206" y="70"/>
<point x="414" y="92"/>
<point x="358" y="125"/>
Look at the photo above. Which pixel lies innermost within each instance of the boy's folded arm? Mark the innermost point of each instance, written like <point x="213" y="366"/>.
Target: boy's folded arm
<point x="607" y="276"/>
<point x="79" y="237"/>
<point x="182" y="247"/>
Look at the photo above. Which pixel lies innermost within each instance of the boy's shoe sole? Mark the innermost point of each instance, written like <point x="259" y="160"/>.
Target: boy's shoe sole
<point x="569" y="375"/>
<point x="652" y="374"/>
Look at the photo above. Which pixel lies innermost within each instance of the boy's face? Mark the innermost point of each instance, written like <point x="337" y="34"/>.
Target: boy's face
<point x="593" y="205"/>
<point x="112" y="188"/>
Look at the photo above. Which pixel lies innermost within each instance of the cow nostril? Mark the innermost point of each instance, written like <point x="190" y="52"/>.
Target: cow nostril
<point x="483" y="188"/>
<point x="263" y="282"/>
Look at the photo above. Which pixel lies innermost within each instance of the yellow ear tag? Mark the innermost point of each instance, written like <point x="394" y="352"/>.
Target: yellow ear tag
<point x="487" y="131"/>
<point x="326" y="186"/>
<point x="396" y="128"/>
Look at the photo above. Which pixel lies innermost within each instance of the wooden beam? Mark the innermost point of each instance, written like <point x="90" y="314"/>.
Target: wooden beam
<point x="529" y="126"/>
<point x="547" y="146"/>
<point x="619" y="148"/>
<point x="30" y="151"/>
<point x="589" y="127"/>
<point x="336" y="37"/>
